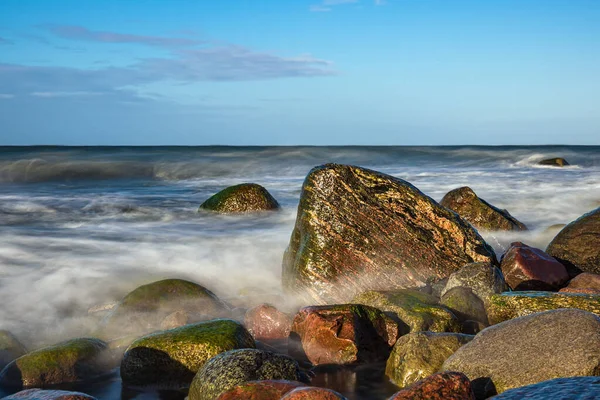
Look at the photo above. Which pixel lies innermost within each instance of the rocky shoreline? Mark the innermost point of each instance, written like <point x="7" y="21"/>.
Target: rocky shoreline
<point x="383" y="274"/>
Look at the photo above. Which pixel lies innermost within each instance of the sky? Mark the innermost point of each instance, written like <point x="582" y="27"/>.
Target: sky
<point x="306" y="72"/>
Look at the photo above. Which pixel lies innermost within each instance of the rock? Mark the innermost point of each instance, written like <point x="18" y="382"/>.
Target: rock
<point x="531" y="349"/>
<point x="360" y="230"/>
<point x="38" y="394"/>
<point x="479" y="212"/>
<point x="483" y="279"/>
<point x="442" y="386"/>
<point x="74" y="360"/>
<point x="554" y="162"/>
<point x="267" y="322"/>
<point x="226" y="370"/>
<point x="174" y="320"/>
<point x="584" y="280"/>
<point x="465" y="304"/>
<point x="528" y="268"/>
<point x="418" y="311"/>
<point x="144" y="309"/>
<point x="577" y="245"/>
<point x="313" y="393"/>
<point x="244" y="198"/>
<point x="576" y="388"/>
<point x="174" y="356"/>
<point x="260" y="390"/>
<point x="10" y="348"/>
<point x="420" y="354"/>
<point x="509" y="305"/>
<point x="345" y="334"/>
<point x="471" y="327"/>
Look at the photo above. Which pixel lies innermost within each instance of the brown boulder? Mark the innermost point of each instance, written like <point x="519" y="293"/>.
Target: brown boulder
<point x="554" y="162"/>
<point x="583" y="283"/>
<point x="441" y="386"/>
<point x="260" y="390"/>
<point x="267" y="322"/>
<point x="244" y="198"/>
<point x="344" y="334"/>
<point x="359" y="229"/>
<point x="313" y="393"/>
<point x="528" y="268"/>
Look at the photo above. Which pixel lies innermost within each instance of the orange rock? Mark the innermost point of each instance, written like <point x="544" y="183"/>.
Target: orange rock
<point x="267" y="322"/>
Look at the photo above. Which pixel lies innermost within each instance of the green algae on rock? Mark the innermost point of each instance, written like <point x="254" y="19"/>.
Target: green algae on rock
<point x="226" y="370"/>
<point x="174" y="356"/>
<point x="418" y="310"/>
<point x="420" y="354"/>
<point x="479" y="212"/>
<point x="509" y="305"/>
<point x="10" y="348"/>
<point x="359" y="229"/>
<point x="74" y="360"/>
<point x="244" y="198"/>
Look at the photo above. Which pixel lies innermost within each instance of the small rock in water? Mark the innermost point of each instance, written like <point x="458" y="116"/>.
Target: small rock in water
<point x="345" y="334"/>
<point x="441" y="386"/>
<point x="465" y="305"/>
<point x="244" y="198"/>
<point x="528" y="268"/>
<point x="576" y="388"/>
<point x="479" y="212"/>
<point x="267" y="322"/>
<point x="584" y="283"/>
<point x="483" y="279"/>
<point x="38" y="394"/>
<point x="260" y="390"/>
<point x="10" y="348"/>
<point x="227" y="370"/>
<point x="554" y="162"/>
<point x="313" y="393"/>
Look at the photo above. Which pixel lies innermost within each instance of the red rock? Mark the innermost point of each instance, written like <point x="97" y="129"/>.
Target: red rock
<point x="345" y="334"/>
<point x="584" y="280"/>
<point x="441" y="386"/>
<point x="313" y="393"/>
<point x="528" y="268"/>
<point x="38" y="394"/>
<point x="260" y="390"/>
<point x="267" y="322"/>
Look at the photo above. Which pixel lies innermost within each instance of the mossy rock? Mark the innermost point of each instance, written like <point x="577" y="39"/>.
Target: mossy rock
<point x="465" y="305"/>
<point x="144" y="309"/>
<point x="554" y="162"/>
<point x="419" y="311"/>
<point x="484" y="280"/>
<point x="38" y="394"/>
<point x="75" y="360"/>
<point x="244" y="198"/>
<point x="509" y="305"/>
<point x="10" y="348"/>
<point x="226" y="370"/>
<point x="420" y="354"/>
<point x="481" y="214"/>
<point x="173" y="357"/>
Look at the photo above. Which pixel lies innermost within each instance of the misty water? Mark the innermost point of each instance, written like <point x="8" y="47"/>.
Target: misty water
<point x="81" y="227"/>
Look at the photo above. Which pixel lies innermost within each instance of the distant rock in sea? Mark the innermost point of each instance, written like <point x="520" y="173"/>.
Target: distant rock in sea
<point x="244" y="198"/>
<point x="554" y="162"/>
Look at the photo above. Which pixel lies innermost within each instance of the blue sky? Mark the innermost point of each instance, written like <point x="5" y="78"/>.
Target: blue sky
<point x="243" y="72"/>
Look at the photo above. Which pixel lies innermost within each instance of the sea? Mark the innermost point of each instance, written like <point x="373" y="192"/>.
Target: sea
<point x="82" y="226"/>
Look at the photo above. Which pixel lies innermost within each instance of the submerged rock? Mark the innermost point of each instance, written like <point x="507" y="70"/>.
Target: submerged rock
<point x="267" y="322"/>
<point x="509" y="305"/>
<point x="360" y="230"/>
<point x="75" y="360"/>
<point x="584" y="283"/>
<point x="531" y="349"/>
<point x="465" y="305"/>
<point x="174" y="356"/>
<point x="554" y="162"/>
<point x="313" y="393"/>
<point x="577" y="245"/>
<point x="345" y="334"/>
<point x="247" y="197"/>
<point x="442" y="386"/>
<point x="260" y="390"/>
<point x="483" y="279"/>
<point x="576" y="388"/>
<point x="528" y="268"/>
<point x="417" y="310"/>
<point x="479" y="212"/>
<point x="145" y="309"/>
<point x="420" y="354"/>
<point x="38" y="394"/>
<point x="10" y="348"/>
<point x="226" y="370"/>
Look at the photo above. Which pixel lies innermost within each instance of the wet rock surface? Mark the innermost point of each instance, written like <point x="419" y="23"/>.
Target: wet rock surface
<point x="358" y="229"/>
<point x="554" y="162"/>
<point x="442" y="386"/>
<point x="528" y="268"/>
<point x="267" y="322"/>
<point x="10" y="348"/>
<point x="479" y="212"/>
<point x="313" y="393"/>
<point x="243" y="198"/>
<point x="38" y="394"/>
<point x="484" y="280"/>
<point x="260" y="390"/>
<point x="576" y="388"/>
<point x="465" y="305"/>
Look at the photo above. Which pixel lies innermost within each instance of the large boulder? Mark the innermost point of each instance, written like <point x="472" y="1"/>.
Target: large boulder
<point x="509" y="305"/>
<point x="75" y="360"/>
<point x="481" y="214"/>
<point x="418" y="311"/>
<point x="360" y="230"/>
<point x="442" y="386"/>
<point x="554" y="162"/>
<point x="576" y="388"/>
<point x="38" y="394"/>
<point x="145" y="309"/>
<point x="531" y="349"/>
<point x="420" y="354"/>
<point x="584" y="283"/>
<point x="345" y="334"/>
<point x="267" y="322"/>
<point x="313" y="393"/>
<point x="577" y="245"/>
<point x="528" y="268"/>
<point x="227" y="370"/>
<point x="10" y="348"/>
<point x="244" y="198"/>
<point x="174" y="356"/>
<point x="260" y="390"/>
<point x="483" y="279"/>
